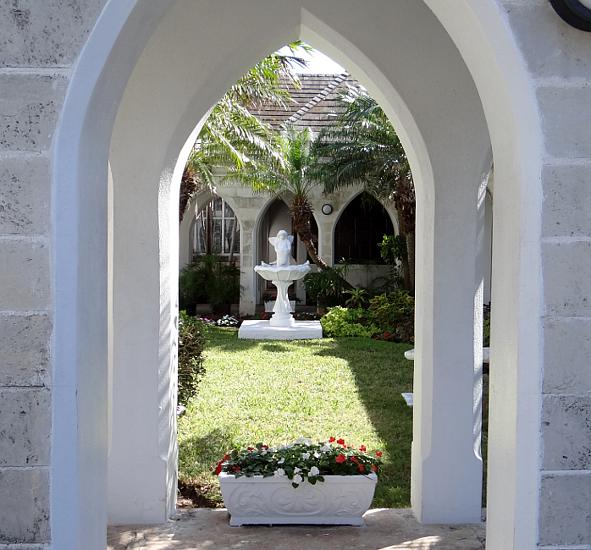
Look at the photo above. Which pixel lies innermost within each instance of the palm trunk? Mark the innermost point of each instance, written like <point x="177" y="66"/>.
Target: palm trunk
<point x="301" y="214"/>
<point x="406" y="270"/>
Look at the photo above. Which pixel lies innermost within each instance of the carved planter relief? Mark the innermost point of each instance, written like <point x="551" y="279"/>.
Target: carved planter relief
<point x="339" y="500"/>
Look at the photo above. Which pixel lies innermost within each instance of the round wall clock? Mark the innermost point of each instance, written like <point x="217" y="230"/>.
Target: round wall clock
<point x="575" y="12"/>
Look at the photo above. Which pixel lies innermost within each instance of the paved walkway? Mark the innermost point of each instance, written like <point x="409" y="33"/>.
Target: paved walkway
<point x="208" y="529"/>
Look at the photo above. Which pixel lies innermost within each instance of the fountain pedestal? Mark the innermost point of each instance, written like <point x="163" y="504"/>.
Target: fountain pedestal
<point x="282" y="325"/>
<point x="263" y="330"/>
<point x="282" y="316"/>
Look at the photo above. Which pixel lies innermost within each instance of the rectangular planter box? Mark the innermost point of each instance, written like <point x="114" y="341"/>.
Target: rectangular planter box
<point x="339" y="500"/>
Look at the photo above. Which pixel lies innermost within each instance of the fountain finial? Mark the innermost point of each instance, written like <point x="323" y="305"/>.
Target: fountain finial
<point x="282" y="244"/>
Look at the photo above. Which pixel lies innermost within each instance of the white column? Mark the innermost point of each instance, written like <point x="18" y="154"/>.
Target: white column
<point x="247" y="261"/>
<point x="143" y="451"/>
<point x="446" y="479"/>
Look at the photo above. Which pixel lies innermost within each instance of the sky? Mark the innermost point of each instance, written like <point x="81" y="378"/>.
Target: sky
<point x="317" y="63"/>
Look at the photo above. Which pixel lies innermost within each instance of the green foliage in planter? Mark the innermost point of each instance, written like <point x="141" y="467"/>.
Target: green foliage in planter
<point x="393" y="312"/>
<point x="191" y="343"/>
<point x="326" y="287"/>
<point x="300" y="461"/>
<point x="209" y="280"/>
<point x="342" y="321"/>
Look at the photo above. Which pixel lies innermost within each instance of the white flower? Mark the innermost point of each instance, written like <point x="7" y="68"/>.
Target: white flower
<point x="326" y="448"/>
<point x="279" y="472"/>
<point x="305" y="456"/>
<point x="298" y="478"/>
<point x="314" y="471"/>
<point x="316" y="454"/>
<point x="303" y="441"/>
<point x="281" y="460"/>
<point x="296" y="470"/>
<point x="264" y="451"/>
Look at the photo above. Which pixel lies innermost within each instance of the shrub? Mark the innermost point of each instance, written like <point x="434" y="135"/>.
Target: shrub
<point x="357" y="297"/>
<point x="394" y="313"/>
<point x="326" y="287"/>
<point x="211" y="281"/>
<point x="191" y="343"/>
<point x="341" y="321"/>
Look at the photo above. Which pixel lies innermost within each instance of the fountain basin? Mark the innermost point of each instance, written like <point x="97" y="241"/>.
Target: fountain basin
<point x="286" y="273"/>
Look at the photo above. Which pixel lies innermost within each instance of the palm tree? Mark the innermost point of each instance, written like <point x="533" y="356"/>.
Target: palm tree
<point x="290" y="178"/>
<point x="363" y="148"/>
<point x="232" y="136"/>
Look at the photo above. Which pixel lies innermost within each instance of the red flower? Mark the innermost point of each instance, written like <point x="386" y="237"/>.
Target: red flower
<point x="226" y="457"/>
<point x="331" y="439"/>
<point x="236" y="469"/>
<point x="361" y="468"/>
<point x="363" y="448"/>
<point x="379" y="454"/>
<point x="340" y="441"/>
<point x="250" y="449"/>
<point x="341" y="458"/>
<point x="218" y="468"/>
<point x="374" y="468"/>
<point x="354" y="459"/>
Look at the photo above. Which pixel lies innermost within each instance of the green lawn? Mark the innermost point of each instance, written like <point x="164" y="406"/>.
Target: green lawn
<point x="274" y="392"/>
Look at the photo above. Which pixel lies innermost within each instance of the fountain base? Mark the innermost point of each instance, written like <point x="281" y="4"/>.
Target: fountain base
<point x="296" y="330"/>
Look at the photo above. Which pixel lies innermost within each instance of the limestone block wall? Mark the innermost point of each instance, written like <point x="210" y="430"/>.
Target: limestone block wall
<point x="559" y="58"/>
<point x="39" y="42"/>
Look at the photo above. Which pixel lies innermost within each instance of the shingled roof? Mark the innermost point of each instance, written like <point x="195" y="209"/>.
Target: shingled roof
<point x="315" y="104"/>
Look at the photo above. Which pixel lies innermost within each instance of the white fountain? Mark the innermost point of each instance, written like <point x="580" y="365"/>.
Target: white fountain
<point x="282" y="273"/>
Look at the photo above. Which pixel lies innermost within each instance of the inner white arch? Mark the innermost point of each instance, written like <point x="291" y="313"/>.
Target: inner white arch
<point x="158" y="67"/>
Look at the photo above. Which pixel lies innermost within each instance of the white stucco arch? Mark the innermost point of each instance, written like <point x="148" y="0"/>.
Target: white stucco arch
<point x="88" y="127"/>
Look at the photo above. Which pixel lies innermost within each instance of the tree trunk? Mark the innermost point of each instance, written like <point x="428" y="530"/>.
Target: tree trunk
<point x="301" y="214"/>
<point x="406" y="270"/>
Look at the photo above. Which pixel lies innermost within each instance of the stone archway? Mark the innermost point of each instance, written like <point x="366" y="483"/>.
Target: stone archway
<point x="128" y="43"/>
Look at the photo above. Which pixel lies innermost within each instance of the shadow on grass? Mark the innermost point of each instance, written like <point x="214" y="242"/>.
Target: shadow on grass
<point x="196" y="484"/>
<point x="381" y="375"/>
<point x="226" y="339"/>
<point x="275" y="348"/>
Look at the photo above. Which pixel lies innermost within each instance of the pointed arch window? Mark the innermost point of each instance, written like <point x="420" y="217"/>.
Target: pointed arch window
<point x="359" y="230"/>
<point x="216" y="230"/>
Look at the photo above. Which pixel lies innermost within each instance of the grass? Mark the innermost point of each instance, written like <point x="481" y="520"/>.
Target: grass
<point x="274" y="392"/>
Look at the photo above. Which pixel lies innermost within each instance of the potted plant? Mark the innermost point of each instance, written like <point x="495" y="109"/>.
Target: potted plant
<point x="212" y="281"/>
<point x="326" y="287"/>
<point x="328" y="483"/>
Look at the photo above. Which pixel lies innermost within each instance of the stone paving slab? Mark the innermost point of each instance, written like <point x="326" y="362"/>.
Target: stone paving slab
<point x="208" y="529"/>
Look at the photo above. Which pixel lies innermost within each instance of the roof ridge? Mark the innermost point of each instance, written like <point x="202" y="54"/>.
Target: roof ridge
<point x="336" y="81"/>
